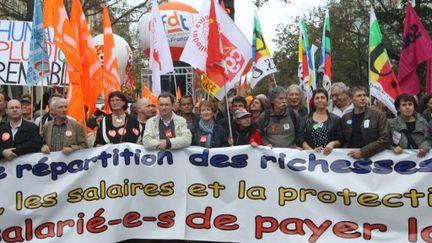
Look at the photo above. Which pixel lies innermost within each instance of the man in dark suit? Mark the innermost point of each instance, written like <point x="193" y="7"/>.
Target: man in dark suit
<point x="18" y="136"/>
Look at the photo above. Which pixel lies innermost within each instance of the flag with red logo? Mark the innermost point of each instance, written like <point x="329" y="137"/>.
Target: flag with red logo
<point x="160" y="54"/>
<point x="200" y="54"/>
<point x="416" y="48"/>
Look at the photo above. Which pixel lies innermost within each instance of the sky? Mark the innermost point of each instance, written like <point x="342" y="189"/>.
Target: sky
<point x="270" y="15"/>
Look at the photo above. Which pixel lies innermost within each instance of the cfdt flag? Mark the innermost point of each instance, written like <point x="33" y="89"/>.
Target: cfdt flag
<point x="160" y="54"/>
<point x="55" y="16"/>
<point x="263" y="64"/>
<point x="38" y="65"/>
<point x="416" y="48"/>
<point x="382" y="80"/>
<point x="234" y="45"/>
<point x="325" y="57"/>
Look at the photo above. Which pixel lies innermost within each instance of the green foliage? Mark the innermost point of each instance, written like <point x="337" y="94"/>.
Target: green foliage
<point x="349" y="38"/>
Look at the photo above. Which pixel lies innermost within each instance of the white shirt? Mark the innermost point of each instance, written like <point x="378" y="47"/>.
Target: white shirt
<point x="15" y="129"/>
<point x="340" y="113"/>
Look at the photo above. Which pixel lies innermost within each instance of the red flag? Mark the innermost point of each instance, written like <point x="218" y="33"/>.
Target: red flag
<point x="214" y="50"/>
<point x="416" y="48"/>
<point x="429" y="77"/>
<point x="229" y="42"/>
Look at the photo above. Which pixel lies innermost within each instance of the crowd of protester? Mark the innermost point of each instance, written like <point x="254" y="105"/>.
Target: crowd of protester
<point x="345" y="118"/>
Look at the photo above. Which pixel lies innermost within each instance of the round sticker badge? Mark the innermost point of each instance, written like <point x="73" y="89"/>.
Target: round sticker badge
<point x="135" y="131"/>
<point x="5" y="136"/>
<point x="349" y="122"/>
<point x="122" y="131"/>
<point x="112" y="133"/>
<point x="68" y="133"/>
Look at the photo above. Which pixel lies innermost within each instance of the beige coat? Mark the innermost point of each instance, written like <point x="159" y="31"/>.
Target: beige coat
<point x="151" y="134"/>
<point x="75" y="136"/>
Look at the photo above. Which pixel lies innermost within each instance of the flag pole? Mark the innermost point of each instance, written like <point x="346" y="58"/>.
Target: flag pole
<point x="41" y="106"/>
<point x="175" y="84"/>
<point x="229" y="115"/>
<point x="32" y="102"/>
<point x="274" y="79"/>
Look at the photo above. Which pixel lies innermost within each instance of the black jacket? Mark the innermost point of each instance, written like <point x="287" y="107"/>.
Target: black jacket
<point x="334" y="129"/>
<point x="243" y="137"/>
<point x="107" y="133"/>
<point x="27" y="139"/>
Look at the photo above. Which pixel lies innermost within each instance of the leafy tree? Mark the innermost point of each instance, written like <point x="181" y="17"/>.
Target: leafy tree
<point x="349" y="38"/>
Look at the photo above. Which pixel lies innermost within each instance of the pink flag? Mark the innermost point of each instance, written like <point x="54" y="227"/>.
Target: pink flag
<point x="160" y="54"/>
<point x="416" y="48"/>
<point x="429" y="77"/>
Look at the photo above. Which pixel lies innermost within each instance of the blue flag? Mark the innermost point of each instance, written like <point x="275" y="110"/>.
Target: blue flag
<point x="38" y="64"/>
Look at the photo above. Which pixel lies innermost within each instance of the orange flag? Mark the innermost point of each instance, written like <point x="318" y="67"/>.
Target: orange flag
<point x="91" y="80"/>
<point x="146" y="93"/>
<point x="239" y="87"/>
<point x="111" y="78"/>
<point x="179" y="94"/>
<point x="65" y="38"/>
<point x="245" y="86"/>
<point x="55" y="16"/>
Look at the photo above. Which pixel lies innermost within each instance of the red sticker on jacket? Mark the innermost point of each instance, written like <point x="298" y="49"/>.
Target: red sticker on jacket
<point x="203" y="138"/>
<point x="168" y="133"/>
<point x="122" y="131"/>
<point x="112" y="133"/>
<point x="135" y="131"/>
<point x="6" y="136"/>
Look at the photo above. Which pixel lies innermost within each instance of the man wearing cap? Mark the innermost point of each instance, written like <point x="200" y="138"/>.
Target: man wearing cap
<point x="244" y="130"/>
<point x="26" y="106"/>
<point x="234" y="104"/>
<point x="62" y="134"/>
<point x="18" y="136"/>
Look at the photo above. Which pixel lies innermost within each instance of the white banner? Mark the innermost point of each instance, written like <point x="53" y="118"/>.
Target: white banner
<point x="14" y="55"/>
<point x="237" y="194"/>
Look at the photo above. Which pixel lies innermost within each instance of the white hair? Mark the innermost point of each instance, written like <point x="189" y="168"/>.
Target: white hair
<point x="55" y="101"/>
